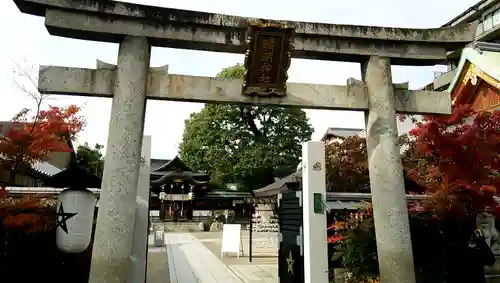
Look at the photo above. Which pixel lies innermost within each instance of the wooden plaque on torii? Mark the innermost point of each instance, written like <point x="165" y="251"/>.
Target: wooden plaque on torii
<point x="267" y="59"/>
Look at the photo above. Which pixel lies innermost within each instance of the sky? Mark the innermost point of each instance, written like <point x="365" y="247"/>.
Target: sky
<point x="26" y="42"/>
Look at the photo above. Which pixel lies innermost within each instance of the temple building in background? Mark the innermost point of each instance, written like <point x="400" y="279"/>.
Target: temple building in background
<point x="175" y="187"/>
<point x="487" y="13"/>
<point x="336" y="134"/>
<point x="477" y="79"/>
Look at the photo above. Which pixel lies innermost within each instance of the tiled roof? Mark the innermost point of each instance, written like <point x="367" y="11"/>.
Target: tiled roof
<point x="274" y="188"/>
<point x="45" y="168"/>
<point x="341" y="132"/>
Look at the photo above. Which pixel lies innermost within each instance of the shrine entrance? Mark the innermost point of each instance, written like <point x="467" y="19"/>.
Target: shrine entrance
<point x="173" y="188"/>
<point x="269" y="46"/>
<point x="179" y="193"/>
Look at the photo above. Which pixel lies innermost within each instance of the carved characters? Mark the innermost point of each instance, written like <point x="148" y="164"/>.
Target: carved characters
<point x="267" y="60"/>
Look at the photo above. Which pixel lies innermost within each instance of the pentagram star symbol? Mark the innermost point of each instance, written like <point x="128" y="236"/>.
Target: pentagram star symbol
<point x="62" y="217"/>
<point x="290" y="261"/>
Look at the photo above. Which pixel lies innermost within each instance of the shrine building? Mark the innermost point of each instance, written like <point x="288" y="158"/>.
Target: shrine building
<point x="176" y="186"/>
<point x="477" y="78"/>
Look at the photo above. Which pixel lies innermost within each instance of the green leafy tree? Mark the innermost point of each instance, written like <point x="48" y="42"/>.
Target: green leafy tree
<point x="246" y="145"/>
<point x="90" y="158"/>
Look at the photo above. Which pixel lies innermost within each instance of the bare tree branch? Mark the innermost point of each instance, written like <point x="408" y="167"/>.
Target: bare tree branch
<point x="26" y="80"/>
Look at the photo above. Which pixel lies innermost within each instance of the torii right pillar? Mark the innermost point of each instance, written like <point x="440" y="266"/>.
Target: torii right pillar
<point x="390" y="213"/>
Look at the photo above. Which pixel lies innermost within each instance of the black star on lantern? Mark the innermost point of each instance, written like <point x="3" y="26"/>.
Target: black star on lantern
<point x="62" y="217"/>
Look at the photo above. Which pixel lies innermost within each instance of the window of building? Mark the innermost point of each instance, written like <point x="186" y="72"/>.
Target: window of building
<point x="488" y="22"/>
<point x="496" y="17"/>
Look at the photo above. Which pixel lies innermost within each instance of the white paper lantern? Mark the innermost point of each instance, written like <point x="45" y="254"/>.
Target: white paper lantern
<point x="75" y="215"/>
<point x="163" y="196"/>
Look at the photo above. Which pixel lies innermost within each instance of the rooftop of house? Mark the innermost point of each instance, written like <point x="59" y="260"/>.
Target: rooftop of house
<point x="483" y="55"/>
<point x="340" y="133"/>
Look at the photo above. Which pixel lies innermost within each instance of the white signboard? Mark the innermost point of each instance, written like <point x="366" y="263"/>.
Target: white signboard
<point x="231" y="239"/>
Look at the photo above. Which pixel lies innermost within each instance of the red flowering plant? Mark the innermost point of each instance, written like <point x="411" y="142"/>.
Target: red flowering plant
<point x="337" y="228"/>
<point x="24" y="141"/>
<point x="29" y="214"/>
<point x="457" y="159"/>
<point x="356" y="247"/>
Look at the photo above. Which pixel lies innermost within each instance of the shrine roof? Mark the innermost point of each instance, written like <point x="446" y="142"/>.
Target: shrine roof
<point x="482" y="56"/>
<point x="278" y="185"/>
<point x="172" y="165"/>
<point x="219" y="193"/>
<point x="281" y="185"/>
<point x="73" y="177"/>
<point x="193" y="174"/>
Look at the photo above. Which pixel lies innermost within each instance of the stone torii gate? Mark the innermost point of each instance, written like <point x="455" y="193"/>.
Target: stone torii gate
<point x="137" y="27"/>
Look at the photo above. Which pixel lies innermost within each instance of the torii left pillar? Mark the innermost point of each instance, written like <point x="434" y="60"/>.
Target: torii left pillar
<point x="112" y="250"/>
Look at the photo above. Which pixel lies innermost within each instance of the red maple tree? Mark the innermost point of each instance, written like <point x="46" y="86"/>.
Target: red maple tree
<point x="457" y="158"/>
<point x="27" y="140"/>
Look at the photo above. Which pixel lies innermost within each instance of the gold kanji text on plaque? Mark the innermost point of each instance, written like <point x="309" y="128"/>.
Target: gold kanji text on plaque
<point x="267" y="59"/>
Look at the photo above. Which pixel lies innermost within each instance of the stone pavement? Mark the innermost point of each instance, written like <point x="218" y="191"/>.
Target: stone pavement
<point x="256" y="273"/>
<point x="157" y="270"/>
<point x="264" y="265"/>
<point x="264" y="245"/>
<point x="190" y="261"/>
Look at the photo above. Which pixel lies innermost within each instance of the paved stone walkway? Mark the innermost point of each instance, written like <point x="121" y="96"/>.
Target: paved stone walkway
<point x="257" y="273"/>
<point x="264" y="266"/>
<point x="189" y="261"/>
<point x="157" y="271"/>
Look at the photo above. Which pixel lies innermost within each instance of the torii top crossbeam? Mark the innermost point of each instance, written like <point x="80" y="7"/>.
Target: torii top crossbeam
<point x="109" y="21"/>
